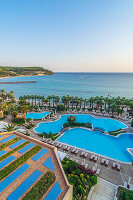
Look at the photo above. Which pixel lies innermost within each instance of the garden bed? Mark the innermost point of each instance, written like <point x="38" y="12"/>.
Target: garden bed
<point x="7" y="170"/>
<point x="9" y="143"/>
<point x="14" y="150"/>
<point x="82" y="180"/>
<point x="41" y="187"/>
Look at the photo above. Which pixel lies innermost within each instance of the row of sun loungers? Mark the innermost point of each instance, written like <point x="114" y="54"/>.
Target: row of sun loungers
<point x="116" y="166"/>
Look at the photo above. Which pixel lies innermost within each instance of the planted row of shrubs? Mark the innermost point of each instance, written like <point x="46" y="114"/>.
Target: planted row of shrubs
<point x="14" y="150"/>
<point x="124" y="194"/>
<point x="9" y="142"/>
<point x="7" y="170"/>
<point x="40" y="187"/>
<point x="77" y="124"/>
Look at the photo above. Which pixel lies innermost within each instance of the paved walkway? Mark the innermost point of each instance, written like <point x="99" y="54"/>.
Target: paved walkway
<point x="104" y="190"/>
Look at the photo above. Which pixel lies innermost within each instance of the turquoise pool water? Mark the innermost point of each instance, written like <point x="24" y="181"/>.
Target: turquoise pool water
<point x="95" y="141"/>
<point x="37" y="115"/>
<point x="56" y="126"/>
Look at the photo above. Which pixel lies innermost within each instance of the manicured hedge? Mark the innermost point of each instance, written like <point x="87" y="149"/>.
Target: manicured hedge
<point x="9" y="143"/>
<point x="15" y="149"/>
<point x="7" y="170"/>
<point x="124" y="194"/>
<point x="41" y="187"/>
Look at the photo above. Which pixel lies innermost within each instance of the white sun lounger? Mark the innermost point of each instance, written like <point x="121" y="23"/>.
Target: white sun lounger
<point x="93" y="169"/>
<point x="118" y="167"/>
<point x="82" y="153"/>
<point x="73" y="150"/>
<point x="102" y="161"/>
<point x="114" y="165"/>
<point x="60" y="145"/>
<point x="98" y="171"/>
<point x="85" y="155"/>
<point x="52" y="142"/>
<point x="92" y="157"/>
<point x="68" y="148"/>
<point x="95" y="158"/>
<point x="65" y="147"/>
<point x="76" y="151"/>
<point x="106" y="162"/>
<point x="86" y="165"/>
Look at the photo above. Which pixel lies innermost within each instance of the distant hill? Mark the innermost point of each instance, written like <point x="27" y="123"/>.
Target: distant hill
<point x="18" y="71"/>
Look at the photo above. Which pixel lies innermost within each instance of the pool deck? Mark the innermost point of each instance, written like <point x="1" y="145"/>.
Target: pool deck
<point x="38" y="165"/>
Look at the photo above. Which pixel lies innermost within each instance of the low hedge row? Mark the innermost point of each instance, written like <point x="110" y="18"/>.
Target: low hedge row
<point x="9" y="143"/>
<point x="7" y="170"/>
<point x="124" y="194"/>
<point x="15" y="149"/>
<point x="41" y="187"/>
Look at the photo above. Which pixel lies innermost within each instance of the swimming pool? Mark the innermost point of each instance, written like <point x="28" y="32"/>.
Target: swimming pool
<point x="104" y="123"/>
<point x="36" y="115"/>
<point x="95" y="141"/>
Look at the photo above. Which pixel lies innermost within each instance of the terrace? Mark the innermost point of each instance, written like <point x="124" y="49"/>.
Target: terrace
<point x="27" y="164"/>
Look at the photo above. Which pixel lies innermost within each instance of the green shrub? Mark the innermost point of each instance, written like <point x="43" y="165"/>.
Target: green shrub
<point x="132" y="123"/>
<point x="124" y="194"/>
<point x="7" y="170"/>
<point x="93" y="179"/>
<point x="60" y="107"/>
<point x="40" y="187"/>
<point x="9" y="143"/>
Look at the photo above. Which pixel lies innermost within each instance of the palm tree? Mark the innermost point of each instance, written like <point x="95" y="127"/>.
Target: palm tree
<point x="49" y="98"/>
<point x="91" y="100"/>
<point x="32" y="97"/>
<point x="9" y="127"/>
<point x="2" y="93"/>
<point x="72" y="101"/>
<point x="80" y="101"/>
<point x="24" y="109"/>
<point x="35" y="97"/>
<point x="12" y="95"/>
<point x="4" y="107"/>
<point x="68" y="98"/>
<point x="113" y="108"/>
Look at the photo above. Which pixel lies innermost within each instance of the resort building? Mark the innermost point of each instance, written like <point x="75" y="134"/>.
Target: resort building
<point x="26" y="164"/>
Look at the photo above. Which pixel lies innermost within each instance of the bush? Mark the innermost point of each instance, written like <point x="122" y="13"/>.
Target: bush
<point x="124" y="194"/>
<point x="82" y="180"/>
<point x="93" y="179"/>
<point x="40" y="187"/>
<point x="60" y="107"/>
<point x="132" y="123"/>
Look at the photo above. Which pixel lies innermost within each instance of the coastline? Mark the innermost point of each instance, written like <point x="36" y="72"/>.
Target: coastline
<point x="25" y="75"/>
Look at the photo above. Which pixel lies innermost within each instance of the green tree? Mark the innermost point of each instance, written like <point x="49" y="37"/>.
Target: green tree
<point x="9" y="128"/>
<point x="71" y="119"/>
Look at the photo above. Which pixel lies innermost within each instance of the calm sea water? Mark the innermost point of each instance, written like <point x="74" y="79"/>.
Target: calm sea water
<point x="76" y="84"/>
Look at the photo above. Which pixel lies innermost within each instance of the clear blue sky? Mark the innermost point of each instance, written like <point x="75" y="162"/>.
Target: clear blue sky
<point x="67" y="35"/>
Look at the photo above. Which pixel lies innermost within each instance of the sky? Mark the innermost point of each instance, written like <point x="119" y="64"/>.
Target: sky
<point x="67" y="35"/>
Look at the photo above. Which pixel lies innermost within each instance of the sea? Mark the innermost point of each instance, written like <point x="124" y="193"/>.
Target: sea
<point x="84" y="85"/>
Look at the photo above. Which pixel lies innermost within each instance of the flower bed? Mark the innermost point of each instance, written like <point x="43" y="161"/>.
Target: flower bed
<point x="7" y="170"/>
<point x="82" y="180"/>
<point x="40" y="187"/>
<point x="11" y="152"/>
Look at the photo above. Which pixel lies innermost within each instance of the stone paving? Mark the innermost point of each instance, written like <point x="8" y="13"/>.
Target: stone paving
<point x="104" y="190"/>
